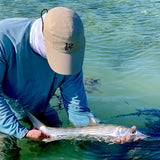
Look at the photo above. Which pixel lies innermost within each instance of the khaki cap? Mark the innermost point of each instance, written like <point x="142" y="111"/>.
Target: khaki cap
<point x="64" y="40"/>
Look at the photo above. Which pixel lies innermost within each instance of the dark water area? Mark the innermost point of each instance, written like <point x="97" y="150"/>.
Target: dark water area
<point x="121" y="75"/>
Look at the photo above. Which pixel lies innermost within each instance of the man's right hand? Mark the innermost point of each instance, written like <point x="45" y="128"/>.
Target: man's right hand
<point x="37" y="135"/>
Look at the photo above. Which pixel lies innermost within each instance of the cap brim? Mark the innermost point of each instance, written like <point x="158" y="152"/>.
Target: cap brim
<point x="64" y="63"/>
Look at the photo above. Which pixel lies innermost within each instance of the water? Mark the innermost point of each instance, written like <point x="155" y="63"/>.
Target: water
<point x="122" y="51"/>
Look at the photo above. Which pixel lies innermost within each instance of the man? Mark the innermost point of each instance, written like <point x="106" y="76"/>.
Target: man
<point x="35" y="62"/>
<point x="37" y="57"/>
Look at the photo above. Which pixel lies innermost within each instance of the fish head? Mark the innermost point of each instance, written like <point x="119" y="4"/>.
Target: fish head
<point x="135" y="134"/>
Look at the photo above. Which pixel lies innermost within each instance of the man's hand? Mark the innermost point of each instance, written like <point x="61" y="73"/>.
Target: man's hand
<point x="37" y="135"/>
<point x="125" y="139"/>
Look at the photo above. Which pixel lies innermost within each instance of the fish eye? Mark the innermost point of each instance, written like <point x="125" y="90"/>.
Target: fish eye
<point x="133" y="131"/>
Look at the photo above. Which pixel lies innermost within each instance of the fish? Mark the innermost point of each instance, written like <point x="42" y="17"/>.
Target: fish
<point x="107" y="133"/>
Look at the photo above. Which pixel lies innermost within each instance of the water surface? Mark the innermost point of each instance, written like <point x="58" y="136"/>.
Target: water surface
<point x="122" y="51"/>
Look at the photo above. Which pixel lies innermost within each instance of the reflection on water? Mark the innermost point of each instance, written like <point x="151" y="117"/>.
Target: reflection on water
<point x="122" y="52"/>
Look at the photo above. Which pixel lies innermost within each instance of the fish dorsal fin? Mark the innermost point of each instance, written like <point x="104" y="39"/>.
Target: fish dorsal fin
<point x="92" y="121"/>
<point x="36" y="123"/>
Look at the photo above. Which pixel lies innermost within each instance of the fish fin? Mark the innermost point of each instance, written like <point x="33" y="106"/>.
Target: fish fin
<point x="36" y="123"/>
<point x="92" y="121"/>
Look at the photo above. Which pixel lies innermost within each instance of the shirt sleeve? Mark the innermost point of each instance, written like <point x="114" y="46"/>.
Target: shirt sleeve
<point x="8" y="121"/>
<point x="75" y="101"/>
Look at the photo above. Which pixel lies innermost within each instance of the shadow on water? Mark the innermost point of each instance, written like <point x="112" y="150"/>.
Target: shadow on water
<point x="85" y="150"/>
<point x="73" y="149"/>
<point x="143" y="149"/>
<point x="96" y="150"/>
<point x="151" y="119"/>
<point x="91" y="150"/>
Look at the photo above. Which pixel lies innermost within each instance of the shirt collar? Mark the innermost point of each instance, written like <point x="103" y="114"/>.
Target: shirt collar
<point x="36" y="38"/>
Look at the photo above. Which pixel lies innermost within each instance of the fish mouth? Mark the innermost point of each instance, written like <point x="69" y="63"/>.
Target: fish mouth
<point x="142" y="136"/>
<point x="137" y="135"/>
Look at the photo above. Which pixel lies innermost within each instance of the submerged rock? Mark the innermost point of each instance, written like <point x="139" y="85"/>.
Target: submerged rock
<point x="91" y="85"/>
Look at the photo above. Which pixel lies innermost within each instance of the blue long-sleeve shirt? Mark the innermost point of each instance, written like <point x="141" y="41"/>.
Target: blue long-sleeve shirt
<point x="28" y="78"/>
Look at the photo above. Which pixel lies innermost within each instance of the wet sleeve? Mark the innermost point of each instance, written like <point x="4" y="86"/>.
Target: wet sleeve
<point x="75" y="101"/>
<point x="8" y="122"/>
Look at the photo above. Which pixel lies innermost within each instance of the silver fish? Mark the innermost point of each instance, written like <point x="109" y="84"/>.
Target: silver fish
<point x="99" y="132"/>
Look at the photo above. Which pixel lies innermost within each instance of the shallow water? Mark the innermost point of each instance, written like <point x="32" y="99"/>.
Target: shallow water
<point x="122" y="52"/>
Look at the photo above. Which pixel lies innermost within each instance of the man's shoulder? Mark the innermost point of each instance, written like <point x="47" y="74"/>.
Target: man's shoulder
<point x="15" y="20"/>
<point x="10" y="23"/>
